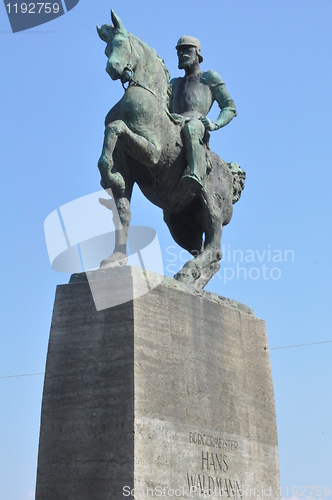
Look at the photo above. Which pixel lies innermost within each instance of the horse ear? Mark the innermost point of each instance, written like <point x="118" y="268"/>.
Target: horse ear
<point x="116" y="21"/>
<point x="104" y="32"/>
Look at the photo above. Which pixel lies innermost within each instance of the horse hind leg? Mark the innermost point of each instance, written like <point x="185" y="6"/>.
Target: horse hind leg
<point x="206" y="274"/>
<point x="120" y="207"/>
<point x="189" y="236"/>
<point x="200" y="270"/>
<point x="121" y="219"/>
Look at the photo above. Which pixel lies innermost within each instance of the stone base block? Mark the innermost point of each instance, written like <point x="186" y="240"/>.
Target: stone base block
<point x="168" y="392"/>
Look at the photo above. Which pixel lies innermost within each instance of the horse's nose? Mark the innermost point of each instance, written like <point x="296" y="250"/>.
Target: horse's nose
<point x="113" y="68"/>
<point x="114" y="64"/>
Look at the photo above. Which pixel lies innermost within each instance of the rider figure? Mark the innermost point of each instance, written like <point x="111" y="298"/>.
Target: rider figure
<point x="190" y="101"/>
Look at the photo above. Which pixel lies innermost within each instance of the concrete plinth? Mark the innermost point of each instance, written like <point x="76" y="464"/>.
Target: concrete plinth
<point x="168" y="391"/>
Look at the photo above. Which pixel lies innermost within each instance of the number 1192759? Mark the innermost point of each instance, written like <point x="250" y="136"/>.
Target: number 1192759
<point x="33" y="8"/>
<point x="308" y="491"/>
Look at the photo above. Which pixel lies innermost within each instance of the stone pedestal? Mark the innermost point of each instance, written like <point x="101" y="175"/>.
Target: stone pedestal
<point x="168" y="391"/>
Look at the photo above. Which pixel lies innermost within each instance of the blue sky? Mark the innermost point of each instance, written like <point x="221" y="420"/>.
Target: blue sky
<point x="275" y="58"/>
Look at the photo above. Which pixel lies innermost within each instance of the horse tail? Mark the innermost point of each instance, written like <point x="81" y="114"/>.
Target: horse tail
<point x="239" y="177"/>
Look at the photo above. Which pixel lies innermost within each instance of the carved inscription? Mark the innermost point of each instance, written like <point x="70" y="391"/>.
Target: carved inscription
<point x="214" y="476"/>
<point x="216" y="442"/>
<point x="215" y="461"/>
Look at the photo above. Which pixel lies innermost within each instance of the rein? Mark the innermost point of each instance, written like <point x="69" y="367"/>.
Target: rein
<point x="135" y="83"/>
<point x="131" y="81"/>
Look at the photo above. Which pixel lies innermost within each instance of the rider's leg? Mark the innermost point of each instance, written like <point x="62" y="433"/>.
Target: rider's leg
<point x="193" y="134"/>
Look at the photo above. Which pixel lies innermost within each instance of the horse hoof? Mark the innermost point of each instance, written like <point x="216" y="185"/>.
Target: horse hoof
<point x="188" y="276"/>
<point x="206" y="274"/>
<point x="117" y="259"/>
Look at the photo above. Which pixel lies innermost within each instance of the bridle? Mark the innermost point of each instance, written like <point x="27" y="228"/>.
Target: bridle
<point x="128" y="67"/>
<point x="131" y="80"/>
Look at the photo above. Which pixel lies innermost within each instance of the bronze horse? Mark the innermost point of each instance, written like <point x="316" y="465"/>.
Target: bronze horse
<point x="143" y="144"/>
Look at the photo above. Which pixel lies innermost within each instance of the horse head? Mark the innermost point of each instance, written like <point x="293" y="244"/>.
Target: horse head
<point x="118" y="49"/>
<point x="131" y="59"/>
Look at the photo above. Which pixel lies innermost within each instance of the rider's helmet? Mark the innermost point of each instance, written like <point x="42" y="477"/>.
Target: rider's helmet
<point x="190" y="41"/>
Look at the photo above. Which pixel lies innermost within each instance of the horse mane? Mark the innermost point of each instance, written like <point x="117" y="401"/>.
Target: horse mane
<point x="162" y="62"/>
<point x="147" y="48"/>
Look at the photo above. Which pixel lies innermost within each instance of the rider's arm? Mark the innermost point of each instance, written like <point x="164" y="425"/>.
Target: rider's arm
<point x="223" y="99"/>
<point x="226" y="105"/>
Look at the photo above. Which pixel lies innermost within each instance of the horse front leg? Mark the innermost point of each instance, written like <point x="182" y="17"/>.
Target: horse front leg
<point x="110" y="177"/>
<point x="114" y="177"/>
<point x="141" y="149"/>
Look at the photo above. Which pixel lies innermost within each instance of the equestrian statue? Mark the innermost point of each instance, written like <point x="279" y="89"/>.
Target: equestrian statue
<point x="157" y="135"/>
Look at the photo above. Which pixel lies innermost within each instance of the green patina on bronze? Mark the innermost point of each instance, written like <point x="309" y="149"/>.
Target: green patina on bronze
<point x="157" y="136"/>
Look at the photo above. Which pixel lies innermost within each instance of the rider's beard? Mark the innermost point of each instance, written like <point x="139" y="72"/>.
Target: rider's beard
<point x="183" y="63"/>
<point x="186" y="61"/>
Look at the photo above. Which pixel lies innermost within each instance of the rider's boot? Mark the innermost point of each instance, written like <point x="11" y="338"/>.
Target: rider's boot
<point x="191" y="180"/>
<point x="197" y="169"/>
<point x="195" y="154"/>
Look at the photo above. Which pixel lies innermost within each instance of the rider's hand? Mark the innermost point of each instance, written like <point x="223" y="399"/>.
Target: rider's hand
<point x="208" y="124"/>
